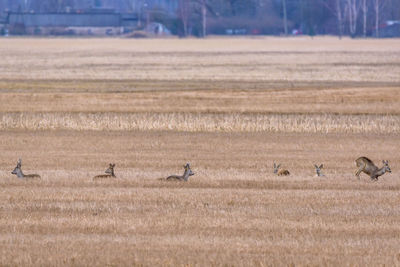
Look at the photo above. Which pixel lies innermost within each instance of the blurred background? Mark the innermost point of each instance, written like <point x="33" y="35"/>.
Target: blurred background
<point x="150" y="18"/>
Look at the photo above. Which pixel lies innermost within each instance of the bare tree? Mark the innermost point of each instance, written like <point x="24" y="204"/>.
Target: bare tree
<point x="353" y="7"/>
<point x="285" y="27"/>
<point x="338" y="11"/>
<point x="204" y="17"/>
<point x="339" y="15"/>
<point x="184" y="11"/>
<point x="204" y="8"/>
<point x="364" y="8"/>
<point x="378" y="6"/>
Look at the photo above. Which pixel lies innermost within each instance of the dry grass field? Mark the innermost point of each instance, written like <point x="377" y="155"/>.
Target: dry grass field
<point x="230" y="107"/>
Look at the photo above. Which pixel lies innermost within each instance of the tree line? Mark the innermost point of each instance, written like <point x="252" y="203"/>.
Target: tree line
<point x="339" y="17"/>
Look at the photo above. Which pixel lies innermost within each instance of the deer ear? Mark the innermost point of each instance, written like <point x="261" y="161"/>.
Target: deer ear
<point x="322" y="165"/>
<point x="315" y="166"/>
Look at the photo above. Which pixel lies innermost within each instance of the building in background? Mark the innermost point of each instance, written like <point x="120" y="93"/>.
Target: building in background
<point x="122" y="6"/>
<point x="87" y="17"/>
<point x="66" y="23"/>
<point x="203" y="17"/>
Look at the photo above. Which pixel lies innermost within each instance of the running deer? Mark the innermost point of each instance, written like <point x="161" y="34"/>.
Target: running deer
<point x="318" y="170"/>
<point x="18" y="171"/>
<point x="366" y="165"/>
<point x="279" y="171"/>
<point x="188" y="172"/>
<point x="109" y="173"/>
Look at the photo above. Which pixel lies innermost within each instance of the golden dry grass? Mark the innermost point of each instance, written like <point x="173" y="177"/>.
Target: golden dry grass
<point x="256" y="98"/>
<point x="230" y="107"/>
<point x="234" y="211"/>
<point x="203" y="122"/>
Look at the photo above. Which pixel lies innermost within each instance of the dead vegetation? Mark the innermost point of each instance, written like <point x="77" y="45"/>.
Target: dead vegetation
<point x="233" y="203"/>
<point x="203" y="122"/>
<point x="299" y="60"/>
<point x="69" y="107"/>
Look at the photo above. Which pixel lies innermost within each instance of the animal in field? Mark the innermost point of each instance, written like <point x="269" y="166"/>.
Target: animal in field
<point x="318" y="170"/>
<point x="366" y="165"/>
<point x="187" y="172"/>
<point x="279" y="171"/>
<point x="18" y="171"/>
<point x="109" y="173"/>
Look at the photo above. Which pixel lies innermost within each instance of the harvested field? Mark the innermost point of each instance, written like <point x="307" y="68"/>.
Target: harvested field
<point x="230" y="107"/>
<point x="203" y="122"/>
<point x="259" y="59"/>
<point x="233" y="211"/>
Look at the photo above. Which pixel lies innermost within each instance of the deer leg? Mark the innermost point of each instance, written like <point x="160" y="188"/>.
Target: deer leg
<point x="360" y="169"/>
<point x="358" y="173"/>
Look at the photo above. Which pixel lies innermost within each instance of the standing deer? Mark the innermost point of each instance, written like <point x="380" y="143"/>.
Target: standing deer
<point x="109" y="173"/>
<point x="366" y="165"/>
<point x="188" y="172"/>
<point x="279" y="171"/>
<point x="18" y="171"/>
<point x="318" y="169"/>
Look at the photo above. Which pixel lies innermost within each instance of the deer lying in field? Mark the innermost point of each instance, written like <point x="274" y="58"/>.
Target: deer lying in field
<point x="109" y="173"/>
<point x="280" y="172"/>
<point x="318" y="170"/>
<point x="188" y="172"/>
<point x="366" y="165"/>
<point x="18" y="171"/>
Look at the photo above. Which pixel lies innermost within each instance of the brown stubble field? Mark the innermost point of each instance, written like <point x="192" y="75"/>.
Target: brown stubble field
<point x="230" y="107"/>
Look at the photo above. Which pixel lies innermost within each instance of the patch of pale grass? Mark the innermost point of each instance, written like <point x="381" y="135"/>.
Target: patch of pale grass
<point x="241" y="59"/>
<point x="203" y="122"/>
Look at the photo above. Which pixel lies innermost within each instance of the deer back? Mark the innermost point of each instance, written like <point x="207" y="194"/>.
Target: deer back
<point x="283" y="172"/>
<point x="368" y="165"/>
<point x="37" y="176"/>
